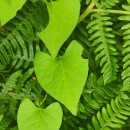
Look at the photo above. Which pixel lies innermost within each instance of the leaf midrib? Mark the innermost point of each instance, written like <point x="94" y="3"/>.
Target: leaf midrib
<point x="69" y="95"/>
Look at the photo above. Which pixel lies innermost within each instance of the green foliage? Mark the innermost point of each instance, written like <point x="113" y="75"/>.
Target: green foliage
<point x="38" y="118"/>
<point x="17" y="36"/>
<point x="126" y="52"/>
<point x="95" y="95"/>
<point x="108" y="4"/>
<point x="8" y="9"/>
<point x="103" y="40"/>
<point x="112" y="116"/>
<point x="64" y="90"/>
<point x="19" y="85"/>
<point x="103" y="30"/>
<point x="61" y="23"/>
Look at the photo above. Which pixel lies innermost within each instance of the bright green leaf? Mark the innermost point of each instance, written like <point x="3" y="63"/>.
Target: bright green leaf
<point x="63" y="77"/>
<point x="63" y="15"/>
<point x="9" y="8"/>
<point x="32" y="118"/>
<point x="1" y="117"/>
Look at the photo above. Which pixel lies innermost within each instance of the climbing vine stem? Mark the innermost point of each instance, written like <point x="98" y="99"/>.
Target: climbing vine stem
<point x="90" y="10"/>
<point x="87" y="11"/>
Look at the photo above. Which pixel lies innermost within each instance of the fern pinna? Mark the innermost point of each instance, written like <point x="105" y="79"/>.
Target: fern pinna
<point x="96" y="94"/>
<point x="103" y="41"/>
<point x="112" y="116"/>
<point x="126" y="52"/>
<point x="17" y="86"/>
<point x="108" y="4"/>
<point x="17" y="36"/>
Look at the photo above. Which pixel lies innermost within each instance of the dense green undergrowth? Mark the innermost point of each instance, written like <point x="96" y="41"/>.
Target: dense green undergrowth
<point x="65" y="65"/>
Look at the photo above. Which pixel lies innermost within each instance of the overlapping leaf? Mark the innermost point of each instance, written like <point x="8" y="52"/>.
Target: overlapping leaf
<point x="63" y="77"/>
<point x="32" y="118"/>
<point x="64" y="15"/>
<point x="9" y="8"/>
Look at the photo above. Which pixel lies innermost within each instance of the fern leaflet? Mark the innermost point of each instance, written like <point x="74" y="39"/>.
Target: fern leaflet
<point x="95" y="95"/>
<point x="112" y="116"/>
<point x="126" y="51"/>
<point x="17" y="36"/>
<point x="108" y="3"/>
<point x="103" y="40"/>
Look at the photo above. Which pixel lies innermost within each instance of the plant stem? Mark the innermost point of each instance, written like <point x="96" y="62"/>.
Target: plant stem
<point x="43" y="99"/>
<point x="87" y="11"/>
<point x="90" y="10"/>
<point x="111" y="11"/>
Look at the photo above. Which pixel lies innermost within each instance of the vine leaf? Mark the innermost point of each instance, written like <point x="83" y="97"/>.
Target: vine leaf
<point x="32" y="118"/>
<point x="8" y="9"/>
<point x="62" y="22"/>
<point x="63" y="77"/>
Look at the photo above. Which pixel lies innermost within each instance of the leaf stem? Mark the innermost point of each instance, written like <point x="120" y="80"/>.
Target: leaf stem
<point x="111" y="11"/>
<point x="90" y="10"/>
<point x="43" y="100"/>
<point x="87" y="11"/>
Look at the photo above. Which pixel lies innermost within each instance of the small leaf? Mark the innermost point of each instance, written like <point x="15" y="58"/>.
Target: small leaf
<point x="63" y="77"/>
<point x="63" y="15"/>
<point x="9" y="8"/>
<point x="1" y="117"/>
<point x="32" y="118"/>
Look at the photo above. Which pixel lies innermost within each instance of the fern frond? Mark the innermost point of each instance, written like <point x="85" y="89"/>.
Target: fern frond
<point x="112" y="116"/>
<point x="8" y="87"/>
<point x="126" y="51"/>
<point x="17" y="36"/>
<point x="95" y="95"/>
<point x="23" y="78"/>
<point x="70" y="122"/>
<point x="103" y="39"/>
<point x="15" y="84"/>
<point x="5" y="123"/>
<point x="18" y="86"/>
<point x="108" y="3"/>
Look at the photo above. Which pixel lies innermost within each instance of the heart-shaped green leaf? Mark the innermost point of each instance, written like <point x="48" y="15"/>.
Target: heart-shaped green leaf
<point x="63" y="15"/>
<point x="63" y="77"/>
<point x="32" y="118"/>
<point x="9" y="8"/>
